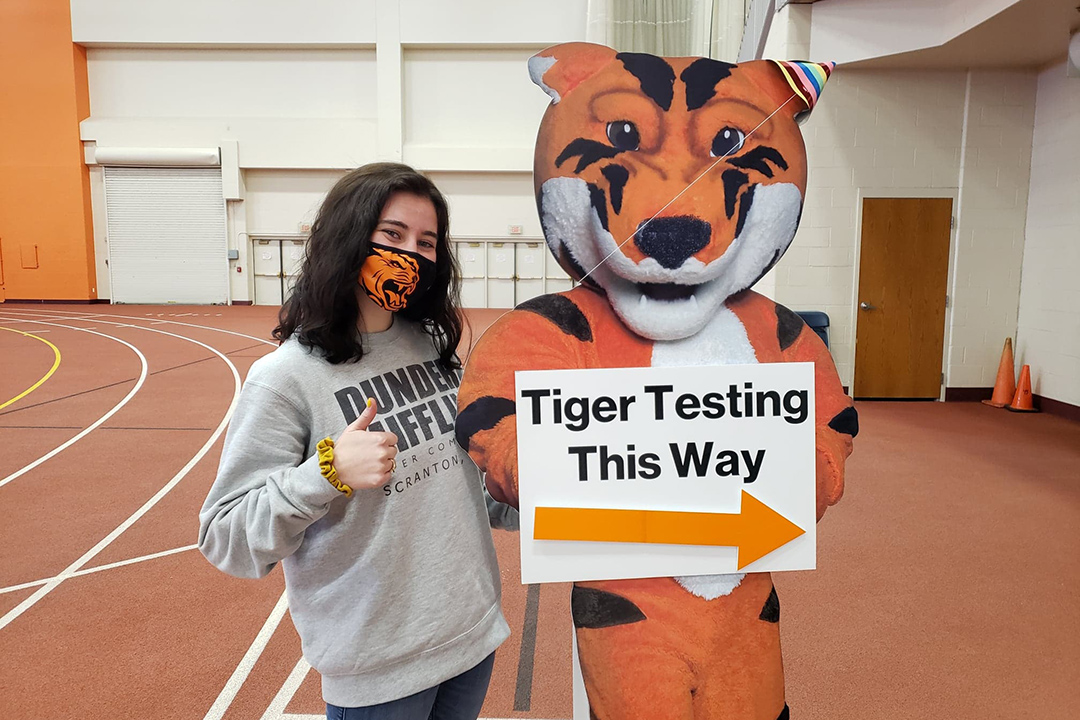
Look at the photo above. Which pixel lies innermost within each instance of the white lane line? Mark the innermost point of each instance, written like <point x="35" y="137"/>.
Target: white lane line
<point x="243" y="670"/>
<point x="122" y="527"/>
<point x="276" y="710"/>
<point x="104" y="316"/>
<point x="97" y="423"/>
<point x="99" y="568"/>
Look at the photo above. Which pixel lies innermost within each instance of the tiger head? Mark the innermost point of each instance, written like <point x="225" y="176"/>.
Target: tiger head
<point x="390" y="278"/>
<point x="670" y="184"/>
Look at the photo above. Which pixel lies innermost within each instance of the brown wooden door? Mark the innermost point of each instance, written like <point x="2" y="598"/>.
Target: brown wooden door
<point x="903" y="272"/>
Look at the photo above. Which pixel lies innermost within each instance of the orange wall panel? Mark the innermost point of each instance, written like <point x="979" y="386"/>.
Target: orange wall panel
<point x="44" y="183"/>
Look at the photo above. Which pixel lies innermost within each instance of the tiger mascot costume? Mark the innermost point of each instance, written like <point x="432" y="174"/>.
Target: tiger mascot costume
<point x="624" y="135"/>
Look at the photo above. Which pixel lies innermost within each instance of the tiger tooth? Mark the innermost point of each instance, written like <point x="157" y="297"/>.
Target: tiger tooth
<point x="693" y="301"/>
<point x="643" y="301"/>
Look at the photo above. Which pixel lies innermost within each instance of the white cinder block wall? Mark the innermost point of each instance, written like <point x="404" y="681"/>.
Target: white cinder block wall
<point x="989" y="242"/>
<point x="1048" y="337"/>
<point x="913" y="133"/>
<point x="874" y="134"/>
<point x="918" y="134"/>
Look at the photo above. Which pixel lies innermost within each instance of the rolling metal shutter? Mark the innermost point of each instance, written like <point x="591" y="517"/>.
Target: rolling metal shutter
<point x="166" y="235"/>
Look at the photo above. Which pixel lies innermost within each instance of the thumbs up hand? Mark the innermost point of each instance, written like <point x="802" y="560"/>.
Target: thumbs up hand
<point x="363" y="458"/>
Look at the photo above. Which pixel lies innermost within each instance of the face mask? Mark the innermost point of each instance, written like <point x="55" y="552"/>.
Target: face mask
<point x="396" y="279"/>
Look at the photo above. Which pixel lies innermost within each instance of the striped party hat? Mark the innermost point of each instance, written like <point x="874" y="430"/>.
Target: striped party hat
<point x="806" y="78"/>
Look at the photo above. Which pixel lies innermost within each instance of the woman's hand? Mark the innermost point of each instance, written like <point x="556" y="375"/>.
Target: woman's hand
<point x="364" y="459"/>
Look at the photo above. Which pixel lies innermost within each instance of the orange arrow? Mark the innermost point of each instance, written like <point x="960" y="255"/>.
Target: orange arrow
<point x="757" y="530"/>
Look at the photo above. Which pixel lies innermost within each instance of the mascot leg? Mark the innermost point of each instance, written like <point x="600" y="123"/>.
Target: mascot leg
<point x="650" y="649"/>
<point x="743" y="675"/>
<point x="629" y="675"/>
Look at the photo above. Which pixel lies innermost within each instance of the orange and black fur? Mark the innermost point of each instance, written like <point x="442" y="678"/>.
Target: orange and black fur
<point x="624" y="135"/>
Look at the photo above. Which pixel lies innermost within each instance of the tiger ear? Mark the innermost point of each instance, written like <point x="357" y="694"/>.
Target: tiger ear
<point x="561" y="68"/>
<point x="797" y="83"/>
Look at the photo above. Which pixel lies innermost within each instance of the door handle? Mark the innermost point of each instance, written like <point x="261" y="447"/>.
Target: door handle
<point x="867" y="306"/>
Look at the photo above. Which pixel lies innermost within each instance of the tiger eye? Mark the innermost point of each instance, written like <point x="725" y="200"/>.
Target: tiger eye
<point x="727" y="141"/>
<point x="623" y="135"/>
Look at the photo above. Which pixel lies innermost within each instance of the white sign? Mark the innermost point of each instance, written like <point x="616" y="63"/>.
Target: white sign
<point x="665" y="472"/>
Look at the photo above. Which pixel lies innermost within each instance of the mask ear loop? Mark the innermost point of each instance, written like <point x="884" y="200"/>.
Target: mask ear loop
<point x="473" y="342"/>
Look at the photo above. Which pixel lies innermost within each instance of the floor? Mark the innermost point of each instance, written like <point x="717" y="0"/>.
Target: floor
<point x="948" y="578"/>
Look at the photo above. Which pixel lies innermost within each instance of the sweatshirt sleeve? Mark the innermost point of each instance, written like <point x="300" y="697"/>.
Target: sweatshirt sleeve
<point x="267" y="492"/>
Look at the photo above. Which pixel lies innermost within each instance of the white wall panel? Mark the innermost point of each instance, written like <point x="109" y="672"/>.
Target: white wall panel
<point x="990" y="222"/>
<point x="473" y="293"/>
<point x="501" y="260"/>
<point x="219" y="83"/>
<point x="845" y="31"/>
<point x="278" y="201"/>
<point x="530" y="260"/>
<point x="214" y="21"/>
<point x="266" y="271"/>
<point x="439" y="158"/>
<point x="472" y="259"/>
<point x="487" y="204"/>
<point x="471" y="97"/>
<point x="298" y="95"/>
<point x="1048" y="337"/>
<point x="789" y="38"/>
<point x="262" y="142"/>
<point x="484" y="21"/>
<point x="526" y="289"/>
<point x="501" y="293"/>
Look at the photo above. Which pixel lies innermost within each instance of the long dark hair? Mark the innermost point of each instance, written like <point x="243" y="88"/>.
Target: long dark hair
<point x="322" y="310"/>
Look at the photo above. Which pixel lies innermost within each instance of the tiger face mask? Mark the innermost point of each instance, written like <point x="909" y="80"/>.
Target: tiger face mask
<point x="396" y="279"/>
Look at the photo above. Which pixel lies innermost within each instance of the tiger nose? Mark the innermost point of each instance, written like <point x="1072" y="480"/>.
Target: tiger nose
<point x="670" y="241"/>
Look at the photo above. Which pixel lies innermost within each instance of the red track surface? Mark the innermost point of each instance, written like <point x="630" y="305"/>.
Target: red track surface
<point x="947" y="584"/>
<point x="166" y="633"/>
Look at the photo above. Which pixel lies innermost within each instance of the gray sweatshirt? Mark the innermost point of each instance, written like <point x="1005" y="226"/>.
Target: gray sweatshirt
<point x="395" y="589"/>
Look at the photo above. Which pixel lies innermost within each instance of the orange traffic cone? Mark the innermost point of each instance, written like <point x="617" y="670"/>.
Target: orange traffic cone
<point x="1005" y="385"/>
<point x="1022" y="402"/>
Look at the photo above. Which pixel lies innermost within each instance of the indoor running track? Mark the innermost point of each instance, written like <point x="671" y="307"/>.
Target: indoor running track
<point x="107" y="609"/>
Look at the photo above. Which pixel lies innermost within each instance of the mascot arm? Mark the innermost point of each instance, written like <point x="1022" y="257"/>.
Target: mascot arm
<point x="487" y="420"/>
<point x="836" y="421"/>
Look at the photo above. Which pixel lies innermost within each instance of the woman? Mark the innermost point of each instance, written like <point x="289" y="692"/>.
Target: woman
<point x="340" y="463"/>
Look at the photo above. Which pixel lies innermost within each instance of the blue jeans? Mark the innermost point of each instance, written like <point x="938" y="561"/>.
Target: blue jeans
<point x="459" y="698"/>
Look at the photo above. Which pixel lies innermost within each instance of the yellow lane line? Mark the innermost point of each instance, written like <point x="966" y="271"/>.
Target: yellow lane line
<point x="46" y="376"/>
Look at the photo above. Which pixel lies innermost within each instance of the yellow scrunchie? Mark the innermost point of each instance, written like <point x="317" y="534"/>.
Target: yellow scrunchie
<point x="326" y="466"/>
